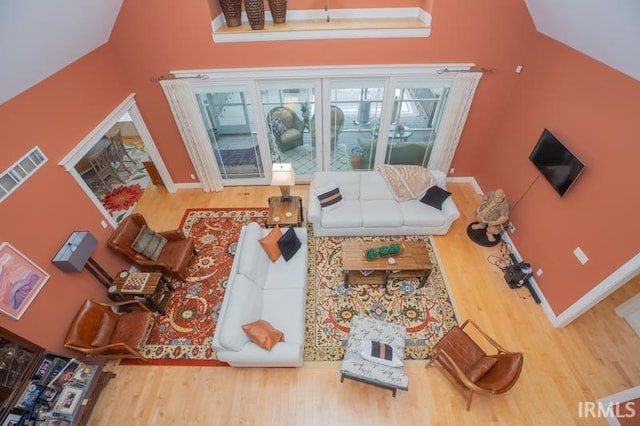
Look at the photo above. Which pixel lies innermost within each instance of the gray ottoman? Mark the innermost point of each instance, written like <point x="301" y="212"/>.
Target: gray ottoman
<point x="357" y="368"/>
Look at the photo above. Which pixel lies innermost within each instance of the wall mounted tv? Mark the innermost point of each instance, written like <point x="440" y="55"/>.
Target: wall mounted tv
<point x="556" y="163"/>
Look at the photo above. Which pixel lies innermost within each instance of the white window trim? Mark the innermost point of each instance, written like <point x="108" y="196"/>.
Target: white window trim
<point x="463" y="84"/>
<point x="81" y="149"/>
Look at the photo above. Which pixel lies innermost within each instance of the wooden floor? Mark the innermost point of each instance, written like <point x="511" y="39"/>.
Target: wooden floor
<point x="595" y="356"/>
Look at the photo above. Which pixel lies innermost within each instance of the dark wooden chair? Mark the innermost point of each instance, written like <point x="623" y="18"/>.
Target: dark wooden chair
<point x="465" y="360"/>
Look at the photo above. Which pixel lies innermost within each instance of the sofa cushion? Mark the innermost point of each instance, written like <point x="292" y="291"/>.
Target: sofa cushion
<point x="270" y="243"/>
<point x="290" y="135"/>
<point x="435" y="196"/>
<point x="347" y="216"/>
<point x="374" y="187"/>
<point x="252" y="259"/>
<point x="149" y="243"/>
<point x="289" y="244"/>
<point x="243" y="306"/>
<point x="348" y="182"/>
<point x="289" y="320"/>
<point x="415" y="213"/>
<point x="381" y="213"/>
<point x="263" y="334"/>
<point x="287" y="275"/>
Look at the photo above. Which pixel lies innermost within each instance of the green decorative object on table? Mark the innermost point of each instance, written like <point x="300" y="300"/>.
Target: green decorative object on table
<point x="371" y="254"/>
<point x="382" y="251"/>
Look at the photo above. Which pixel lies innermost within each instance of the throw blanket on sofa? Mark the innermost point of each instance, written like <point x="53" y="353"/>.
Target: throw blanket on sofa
<point x="407" y="182"/>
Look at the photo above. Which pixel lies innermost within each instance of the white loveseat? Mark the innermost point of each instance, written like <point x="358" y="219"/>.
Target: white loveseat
<point x="370" y="208"/>
<point x="261" y="290"/>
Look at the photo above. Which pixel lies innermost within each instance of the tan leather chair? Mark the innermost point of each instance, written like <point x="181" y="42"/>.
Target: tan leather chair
<point x="472" y="367"/>
<point x="174" y="257"/>
<point x="99" y="330"/>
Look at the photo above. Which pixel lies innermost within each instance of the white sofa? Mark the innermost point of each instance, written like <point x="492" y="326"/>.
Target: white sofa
<point x="371" y="209"/>
<point x="259" y="289"/>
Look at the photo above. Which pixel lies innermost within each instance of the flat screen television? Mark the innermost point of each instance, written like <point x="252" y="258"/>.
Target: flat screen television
<point x="555" y="162"/>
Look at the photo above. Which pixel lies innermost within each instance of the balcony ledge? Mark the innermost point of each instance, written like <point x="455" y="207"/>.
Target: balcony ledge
<point x="344" y="24"/>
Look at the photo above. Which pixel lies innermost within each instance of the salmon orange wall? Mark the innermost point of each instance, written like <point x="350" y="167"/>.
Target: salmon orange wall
<point x="177" y="36"/>
<point x="593" y="110"/>
<point x="38" y="217"/>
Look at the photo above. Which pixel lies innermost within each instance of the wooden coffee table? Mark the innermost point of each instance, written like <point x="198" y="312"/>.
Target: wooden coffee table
<point x="412" y="262"/>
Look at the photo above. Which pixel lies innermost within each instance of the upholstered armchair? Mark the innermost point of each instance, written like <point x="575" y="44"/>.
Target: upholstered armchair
<point x="337" y="124"/>
<point x="468" y="363"/>
<point x="99" y="330"/>
<point x="286" y="127"/>
<point x="172" y="258"/>
<point x="397" y="153"/>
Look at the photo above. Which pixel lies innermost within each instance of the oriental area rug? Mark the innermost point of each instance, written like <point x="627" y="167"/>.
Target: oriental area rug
<point x="184" y="335"/>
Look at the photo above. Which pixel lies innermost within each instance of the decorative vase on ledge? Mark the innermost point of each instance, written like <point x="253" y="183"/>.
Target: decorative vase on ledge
<point x="255" y="13"/>
<point x="278" y="9"/>
<point x="232" y="11"/>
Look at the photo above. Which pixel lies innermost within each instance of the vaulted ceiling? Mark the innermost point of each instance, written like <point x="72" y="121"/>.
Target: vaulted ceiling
<point x="40" y="37"/>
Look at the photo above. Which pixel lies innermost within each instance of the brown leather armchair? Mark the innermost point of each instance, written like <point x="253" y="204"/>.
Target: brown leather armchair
<point x="99" y="330"/>
<point x="173" y="259"/>
<point x="472" y="367"/>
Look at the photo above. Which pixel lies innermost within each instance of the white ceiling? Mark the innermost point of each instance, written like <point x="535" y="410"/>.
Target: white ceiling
<point x="40" y="37"/>
<point x="608" y="31"/>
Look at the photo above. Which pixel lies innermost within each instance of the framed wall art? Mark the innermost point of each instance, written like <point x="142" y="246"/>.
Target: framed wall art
<point x="20" y="281"/>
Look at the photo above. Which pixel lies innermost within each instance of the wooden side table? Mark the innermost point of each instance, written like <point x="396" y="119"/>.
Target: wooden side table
<point x="285" y="212"/>
<point x="155" y="292"/>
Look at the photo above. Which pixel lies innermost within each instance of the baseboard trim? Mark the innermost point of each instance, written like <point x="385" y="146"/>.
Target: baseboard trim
<point x="617" y="279"/>
<point x="194" y="185"/>
<point x="507" y="239"/>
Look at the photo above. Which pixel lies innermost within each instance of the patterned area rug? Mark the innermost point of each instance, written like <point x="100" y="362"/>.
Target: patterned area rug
<point x="426" y="312"/>
<point x="185" y="333"/>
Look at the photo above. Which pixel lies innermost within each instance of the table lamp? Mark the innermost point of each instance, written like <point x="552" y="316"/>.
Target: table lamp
<point x="282" y="175"/>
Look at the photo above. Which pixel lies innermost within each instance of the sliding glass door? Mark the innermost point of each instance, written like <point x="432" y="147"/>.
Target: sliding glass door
<point x="289" y="111"/>
<point x="330" y="122"/>
<point x="417" y="111"/>
<point x="231" y="127"/>
<point x="355" y="108"/>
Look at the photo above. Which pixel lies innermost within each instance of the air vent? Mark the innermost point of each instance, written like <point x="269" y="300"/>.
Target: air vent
<point x="13" y="177"/>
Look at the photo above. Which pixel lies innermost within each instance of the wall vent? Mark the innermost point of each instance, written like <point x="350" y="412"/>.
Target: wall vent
<point x="15" y="175"/>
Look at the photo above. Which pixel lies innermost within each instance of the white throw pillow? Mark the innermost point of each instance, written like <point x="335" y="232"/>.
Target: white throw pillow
<point x="380" y="353"/>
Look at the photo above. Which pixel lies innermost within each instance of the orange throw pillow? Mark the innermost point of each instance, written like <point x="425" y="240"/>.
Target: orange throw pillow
<point x="263" y="334"/>
<point x="270" y="243"/>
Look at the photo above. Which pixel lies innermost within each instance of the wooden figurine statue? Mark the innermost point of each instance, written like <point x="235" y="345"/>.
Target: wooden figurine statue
<point x="492" y="213"/>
